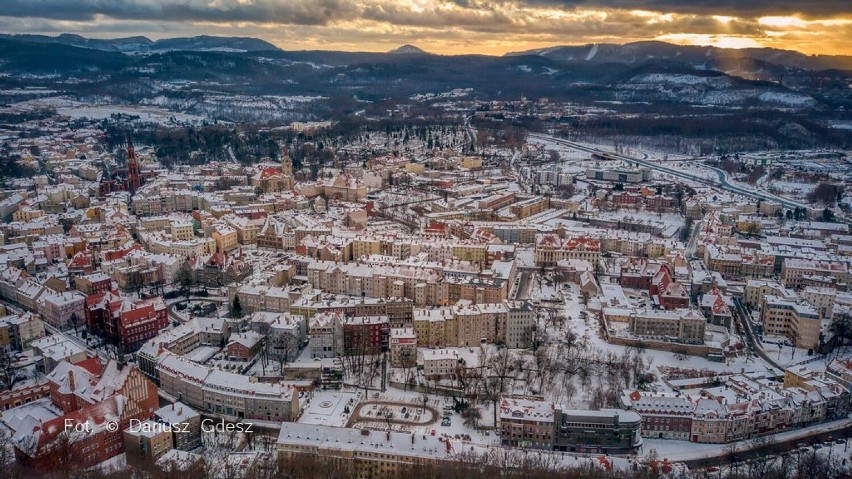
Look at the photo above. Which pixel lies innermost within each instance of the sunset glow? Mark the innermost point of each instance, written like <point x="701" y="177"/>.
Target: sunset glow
<point x="449" y="26"/>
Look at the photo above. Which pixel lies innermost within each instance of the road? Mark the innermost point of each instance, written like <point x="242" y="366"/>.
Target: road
<point x="693" y="239"/>
<point x="722" y="183"/>
<point x="742" y="318"/>
<point x="523" y="291"/>
<point x="774" y="445"/>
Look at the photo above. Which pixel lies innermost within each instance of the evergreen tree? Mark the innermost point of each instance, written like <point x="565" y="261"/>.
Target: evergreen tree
<point x="236" y="308"/>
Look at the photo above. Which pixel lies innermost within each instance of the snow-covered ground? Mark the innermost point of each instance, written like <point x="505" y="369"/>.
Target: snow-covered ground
<point x="144" y="114"/>
<point x="799" y="190"/>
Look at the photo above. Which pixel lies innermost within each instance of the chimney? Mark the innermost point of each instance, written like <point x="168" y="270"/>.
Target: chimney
<point x="71" y="380"/>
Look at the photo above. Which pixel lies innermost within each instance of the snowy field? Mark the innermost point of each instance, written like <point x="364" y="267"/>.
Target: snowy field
<point x="145" y="114"/>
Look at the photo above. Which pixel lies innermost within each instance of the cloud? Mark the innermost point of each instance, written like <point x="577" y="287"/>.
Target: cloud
<point x="449" y="26"/>
<point x="298" y="12"/>
<point x="815" y="8"/>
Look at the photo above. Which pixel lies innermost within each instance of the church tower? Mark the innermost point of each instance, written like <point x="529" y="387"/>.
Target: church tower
<point x="286" y="164"/>
<point x="133" y="179"/>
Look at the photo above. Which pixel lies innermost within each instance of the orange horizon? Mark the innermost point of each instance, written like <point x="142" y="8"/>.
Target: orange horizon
<point x="444" y="27"/>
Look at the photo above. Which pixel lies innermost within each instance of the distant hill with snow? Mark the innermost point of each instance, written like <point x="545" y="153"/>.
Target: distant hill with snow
<point x="408" y="50"/>
<point x="143" y="45"/>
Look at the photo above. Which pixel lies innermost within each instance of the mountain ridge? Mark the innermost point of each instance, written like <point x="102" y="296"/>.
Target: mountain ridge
<point x="144" y="45"/>
<point x="694" y="54"/>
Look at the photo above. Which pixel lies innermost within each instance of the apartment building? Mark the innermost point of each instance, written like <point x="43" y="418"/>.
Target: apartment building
<point x="664" y="416"/>
<point x="755" y="290"/>
<point x="680" y="325"/>
<point x="326" y="335"/>
<point x="365" y="335"/>
<point x="430" y="326"/>
<point x="798" y="272"/>
<point x="24" y="329"/>
<point x="793" y="318"/>
<point x="526" y="423"/>
<point x="285" y="334"/>
<point x="186" y="423"/>
<point x="445" y="363"/>
<point x="181" y="340"/>
<point x="225" y="237"/>
<point x="58" y="309"/>
<point x="147" y="439"/>
<point x="182" y="230"/>
<point x="263" y="297"/>
<point x="93" y="283"/>
<point x="526" y="208"/>
<point x="520" y="325"/>
<point x="229" y="394"/>
<point x="403" y="347"/>
<point x="244" y="346"/>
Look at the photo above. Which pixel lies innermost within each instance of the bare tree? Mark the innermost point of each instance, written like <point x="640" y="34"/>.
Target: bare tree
<point x="7" y="369"/>
<point x="497" y="371"/>
<point x="762" y="462"/>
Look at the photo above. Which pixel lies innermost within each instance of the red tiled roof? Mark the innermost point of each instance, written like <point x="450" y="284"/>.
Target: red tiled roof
<point x="138" y="314"/>
<point x="96" y="415"/>
<point x="269" y="172"/>
<point x="93" y="365"/>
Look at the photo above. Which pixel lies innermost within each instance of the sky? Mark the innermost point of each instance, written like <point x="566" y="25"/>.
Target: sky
<point x="451" y="26"/>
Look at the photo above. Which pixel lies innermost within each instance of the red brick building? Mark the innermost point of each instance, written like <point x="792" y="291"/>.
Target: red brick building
<point x="17" y="397"/>
<point x="244" y="346"/>
<point x="663" y="417"/>
<point x="625" y="198"/>
<point x="365" y="335"/>
<point x="638" y="272"/>
<point x="54" y="447"/>
<point x="74" y="386"/>
<point x="126" y="323"/>
<point x="141" y="323"/>
<point x="98" y="311"/>
<point x="67" y="381"/>
<point x="92" y="396"/>
<point x="670" y="294"/>
<point x="659" y="202"/>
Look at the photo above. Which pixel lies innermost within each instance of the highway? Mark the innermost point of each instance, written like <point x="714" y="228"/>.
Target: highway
<point x="722" y="184"/>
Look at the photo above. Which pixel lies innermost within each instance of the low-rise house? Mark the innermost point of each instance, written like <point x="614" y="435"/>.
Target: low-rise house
<point x="244" y="346"/>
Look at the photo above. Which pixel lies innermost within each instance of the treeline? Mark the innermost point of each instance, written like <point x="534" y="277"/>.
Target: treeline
<point x="720" y="134"/>
<point x="248" y="144"/>
<point x="199" y="145"/>
<point x="827" y="193"/>
<point x="11" y="165"/>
